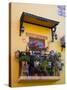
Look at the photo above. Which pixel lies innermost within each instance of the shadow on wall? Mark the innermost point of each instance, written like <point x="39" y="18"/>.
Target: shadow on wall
<point x="36" y="83"/>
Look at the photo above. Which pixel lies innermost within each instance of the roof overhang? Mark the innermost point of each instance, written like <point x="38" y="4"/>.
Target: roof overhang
<point x="37" y="20"/>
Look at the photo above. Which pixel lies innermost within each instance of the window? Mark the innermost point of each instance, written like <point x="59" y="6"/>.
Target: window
<point x="35" y="43"/>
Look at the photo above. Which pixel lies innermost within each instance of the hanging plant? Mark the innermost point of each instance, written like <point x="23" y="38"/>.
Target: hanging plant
<point x="21" y="56"/>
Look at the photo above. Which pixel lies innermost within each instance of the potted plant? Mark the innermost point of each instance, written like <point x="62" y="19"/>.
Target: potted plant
<point x="24" y="59"/>
<point x="55" y="58"/>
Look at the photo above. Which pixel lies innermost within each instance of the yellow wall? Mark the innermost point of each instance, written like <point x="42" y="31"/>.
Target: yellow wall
<point x="18" y="43"/>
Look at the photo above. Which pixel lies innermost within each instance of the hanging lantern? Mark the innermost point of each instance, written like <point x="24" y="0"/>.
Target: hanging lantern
<point x="55" y="36"/>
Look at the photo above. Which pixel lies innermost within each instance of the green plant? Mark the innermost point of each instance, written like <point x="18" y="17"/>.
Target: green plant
<point x="44" y="65"/>
<point x="58" y="54"/>
<point x="22" y="56"/>
<point x="55" y="58"/>
<point x="49" y="65"/>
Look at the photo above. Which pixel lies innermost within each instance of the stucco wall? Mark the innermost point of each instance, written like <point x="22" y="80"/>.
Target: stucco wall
<point x="47" y="11"/>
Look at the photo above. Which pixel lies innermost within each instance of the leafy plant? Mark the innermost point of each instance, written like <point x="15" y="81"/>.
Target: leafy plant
<point x="49" y="65"/>
<point x="55" y="58"/>
<point x="22" y="56"/>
